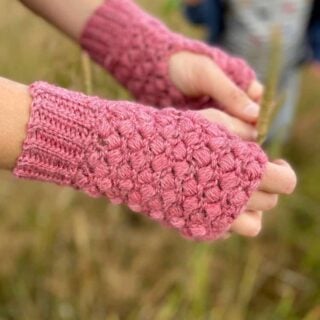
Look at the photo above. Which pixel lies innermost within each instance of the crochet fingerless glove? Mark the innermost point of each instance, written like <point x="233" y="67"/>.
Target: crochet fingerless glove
<point x="174" y="166"/>
<point x="135" y="48"/>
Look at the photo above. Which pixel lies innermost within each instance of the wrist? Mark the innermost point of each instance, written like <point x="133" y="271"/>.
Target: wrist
<point x="60" y="129"/>
<point x="68" y="16"/>
<point x="176" y="167"/>
<point x="14" y="114"/>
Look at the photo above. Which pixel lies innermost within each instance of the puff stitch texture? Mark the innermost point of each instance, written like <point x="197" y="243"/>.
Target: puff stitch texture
<point x="135" y="48"/>
<point x="174" y="166"/>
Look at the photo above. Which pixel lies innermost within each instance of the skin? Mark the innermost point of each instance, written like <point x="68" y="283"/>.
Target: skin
<point x="279" y="178"/>
<point x="14" y="114"/>
<point x="193" y="74"/>
<point x="241" y="108"/>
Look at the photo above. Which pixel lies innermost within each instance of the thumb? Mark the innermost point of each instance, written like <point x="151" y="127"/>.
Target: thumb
<point x="242" y="129"/>
<point x="196" y="75"/>
<point x="214" y="82"/>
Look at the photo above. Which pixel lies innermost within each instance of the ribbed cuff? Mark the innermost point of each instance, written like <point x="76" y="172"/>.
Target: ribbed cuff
<point x="59" y="131"/>
<point x="175" y="167"/>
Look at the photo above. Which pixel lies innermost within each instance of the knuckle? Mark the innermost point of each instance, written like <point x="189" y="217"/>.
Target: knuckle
<point x="219" y="116"/>
<point x="215" y="113"/>
<point x="223" y="116"/>
<point x="201" y="63"/>
<point x="210" y="114"/>
<point x="237" y="95"/>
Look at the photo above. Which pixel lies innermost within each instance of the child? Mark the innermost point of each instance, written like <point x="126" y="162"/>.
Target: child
<point x="247" y="32"/>
<point x="175" y="166"/>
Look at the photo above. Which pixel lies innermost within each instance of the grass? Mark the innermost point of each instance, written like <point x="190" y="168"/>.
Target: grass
<point x="66" y="256"/>
<point x="270" y="101"/>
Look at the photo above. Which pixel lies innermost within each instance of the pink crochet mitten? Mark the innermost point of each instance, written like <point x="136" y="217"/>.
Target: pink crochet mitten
<point x="174" y="166"/>
<point x="136" y="48"/>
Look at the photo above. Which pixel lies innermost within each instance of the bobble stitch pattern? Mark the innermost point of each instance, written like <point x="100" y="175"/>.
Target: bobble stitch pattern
<point x="174" y="166"/>
<point x="135" y="48"/>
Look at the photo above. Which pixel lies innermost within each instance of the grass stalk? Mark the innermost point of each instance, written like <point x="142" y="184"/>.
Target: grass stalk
<point x="271" y="101"/>
<point x="87" y="73"/>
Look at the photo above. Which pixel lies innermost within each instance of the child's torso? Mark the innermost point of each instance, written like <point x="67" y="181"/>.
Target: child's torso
<point x="250" y="24"/>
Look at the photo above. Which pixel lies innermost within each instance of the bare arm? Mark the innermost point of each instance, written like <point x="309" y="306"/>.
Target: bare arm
<point x="15" y="102"/>
<point x="14" y="114"/>
<point x="69" y="16"/>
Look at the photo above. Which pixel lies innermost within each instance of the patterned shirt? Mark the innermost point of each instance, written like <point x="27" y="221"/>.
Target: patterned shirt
<point x="249" y="26"/>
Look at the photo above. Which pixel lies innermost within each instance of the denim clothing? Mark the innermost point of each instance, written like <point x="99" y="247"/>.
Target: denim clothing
<point x="209" y="13"/>
<point x="247" y="33"/>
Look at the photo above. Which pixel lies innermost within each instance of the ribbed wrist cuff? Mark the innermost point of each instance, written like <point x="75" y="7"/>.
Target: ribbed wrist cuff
<point x="59" y="130"/>
<point x="175" y="167"/>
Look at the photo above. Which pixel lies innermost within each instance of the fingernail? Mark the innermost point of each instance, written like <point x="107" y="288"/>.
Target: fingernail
<point x="252" y="110"/>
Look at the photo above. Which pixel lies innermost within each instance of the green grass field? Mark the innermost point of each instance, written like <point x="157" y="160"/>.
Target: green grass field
<point x="66" y="256"/>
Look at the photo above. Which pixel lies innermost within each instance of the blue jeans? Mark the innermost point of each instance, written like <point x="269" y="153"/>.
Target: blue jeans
<point x="208" y="13"/>
<point x="314" y="36"/>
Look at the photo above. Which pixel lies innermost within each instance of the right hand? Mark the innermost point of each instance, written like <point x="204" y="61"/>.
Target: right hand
<point x="279" y="178"/>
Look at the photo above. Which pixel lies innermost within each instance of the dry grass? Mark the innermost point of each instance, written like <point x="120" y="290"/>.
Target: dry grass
<point x="66" y="256"/>
<point x="270" y="101"/>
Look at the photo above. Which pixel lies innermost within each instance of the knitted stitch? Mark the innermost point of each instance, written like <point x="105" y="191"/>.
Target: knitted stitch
<point x="174" y="166"/>
<point x="136" y="48"/>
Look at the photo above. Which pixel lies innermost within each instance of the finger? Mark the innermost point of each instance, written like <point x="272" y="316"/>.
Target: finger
<point x="262" y="201"/>
<point x="215" y="83"/>
<point x="234" y="125"/>
<point x="278" y="178"/>
<point x="255" y="91"/>
<point x="281" y="162"/>
<point x="248" y="224"/>
<point x="243" y="129"/>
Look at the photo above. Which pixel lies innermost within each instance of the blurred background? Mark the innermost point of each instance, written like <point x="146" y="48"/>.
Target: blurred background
<point x="66" y="256"/>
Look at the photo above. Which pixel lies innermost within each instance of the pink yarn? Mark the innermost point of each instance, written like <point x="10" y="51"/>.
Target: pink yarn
<point x="136" y="47"/>
<point x="174" y="166"/>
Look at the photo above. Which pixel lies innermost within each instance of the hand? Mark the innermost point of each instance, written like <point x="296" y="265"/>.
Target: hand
<point x="172" y="71"/>
<point x="279" y="178"/>
<point x="196" y="75"/>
